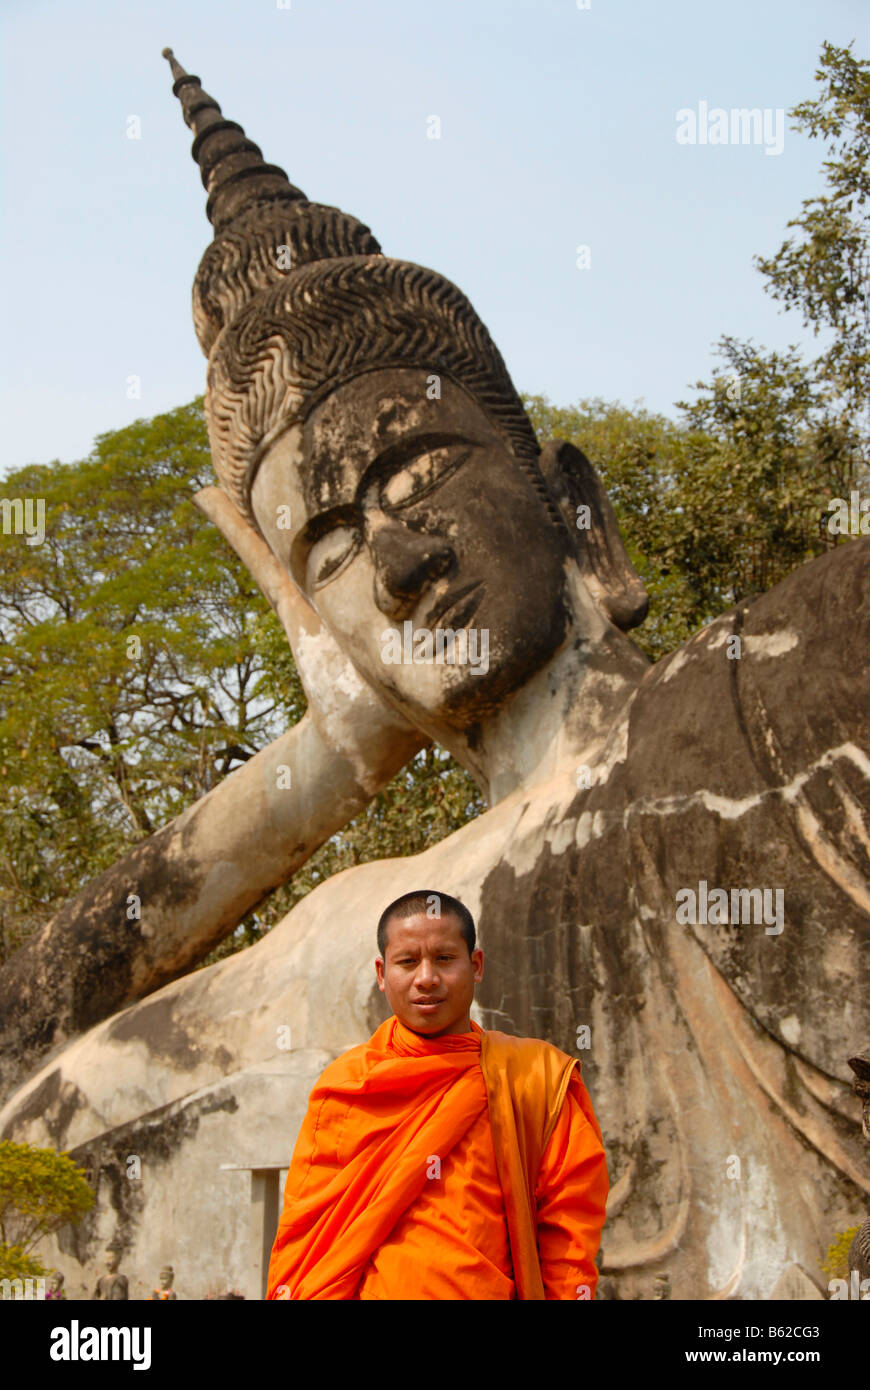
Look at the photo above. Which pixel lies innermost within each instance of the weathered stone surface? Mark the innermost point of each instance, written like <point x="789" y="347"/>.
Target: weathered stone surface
<point x="160" y="909"/>
<point x="796" y="1285"/>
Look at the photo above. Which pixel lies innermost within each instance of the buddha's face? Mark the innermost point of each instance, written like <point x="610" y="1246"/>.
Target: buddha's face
<point x="399" y="516"/>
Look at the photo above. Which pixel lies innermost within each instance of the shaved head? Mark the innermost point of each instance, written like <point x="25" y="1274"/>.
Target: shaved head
<point x="435" y="905"/>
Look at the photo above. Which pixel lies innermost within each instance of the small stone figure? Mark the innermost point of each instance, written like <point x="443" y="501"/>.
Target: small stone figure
<point x="859" y="1250"/>
<point x="112" y="1285"/>
<point x="165" y="1290"/>
<point x="55" y="1286"/>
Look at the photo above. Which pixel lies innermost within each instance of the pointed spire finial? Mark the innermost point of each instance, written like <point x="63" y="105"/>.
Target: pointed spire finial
<point x="177" y="69"/>
<point x="232" y="167"/>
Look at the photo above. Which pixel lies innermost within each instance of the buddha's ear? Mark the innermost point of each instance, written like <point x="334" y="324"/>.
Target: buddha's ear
<point x="601" y="555"/>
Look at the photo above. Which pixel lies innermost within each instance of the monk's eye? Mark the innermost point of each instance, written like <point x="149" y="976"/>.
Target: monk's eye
<point x="421" y="474"/>
<point x="329" y="555"/>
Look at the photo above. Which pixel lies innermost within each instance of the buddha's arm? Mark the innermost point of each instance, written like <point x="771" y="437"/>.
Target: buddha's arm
<point x="166" y="903"/>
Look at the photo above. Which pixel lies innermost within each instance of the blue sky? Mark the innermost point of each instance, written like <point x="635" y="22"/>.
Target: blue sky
<point x="558" y="129"/>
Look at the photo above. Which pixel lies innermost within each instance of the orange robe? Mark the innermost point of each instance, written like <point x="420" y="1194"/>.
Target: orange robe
<point x="463" y="1167"/>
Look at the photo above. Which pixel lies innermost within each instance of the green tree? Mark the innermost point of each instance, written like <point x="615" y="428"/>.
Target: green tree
<point x="836" y="1261"/>
<point x="15" y="1264"/>
<point x="40" y="1191"/>
<point x="722" y="504"/>
<point x="133" y="655"/>
<point x="766" y="457"/>
<point x="825" y="270"/>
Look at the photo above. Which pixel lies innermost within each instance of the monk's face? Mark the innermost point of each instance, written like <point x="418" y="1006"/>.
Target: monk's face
<point x="428" y="975"/>
<point x="399" y="516"/>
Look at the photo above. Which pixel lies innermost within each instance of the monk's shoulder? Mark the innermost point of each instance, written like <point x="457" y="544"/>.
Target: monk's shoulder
<point x="520" y="1046"/>
<point x="355" y="1062"/>
<point x="348" y="1066"/>
<point x="525" y="1056"/>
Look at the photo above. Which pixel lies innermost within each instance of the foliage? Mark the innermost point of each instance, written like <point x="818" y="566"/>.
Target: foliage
<point x="15" y="1264"/>
<point x="40" y="1191"/>
<point x="724" y="503"/>
<point x="824" y="271"/>
<point x="836" y="1262"/>
<point x="138" y="662"/>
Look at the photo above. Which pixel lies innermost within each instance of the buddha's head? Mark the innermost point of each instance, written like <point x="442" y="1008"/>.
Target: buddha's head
<point x="362" y="420"/>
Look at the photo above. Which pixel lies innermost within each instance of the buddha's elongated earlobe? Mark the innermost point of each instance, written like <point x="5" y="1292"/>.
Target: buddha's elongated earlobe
<point x="589" y="516"/>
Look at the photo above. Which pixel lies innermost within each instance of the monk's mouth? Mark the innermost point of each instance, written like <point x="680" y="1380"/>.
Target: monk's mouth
<point x="427" y="1003"/>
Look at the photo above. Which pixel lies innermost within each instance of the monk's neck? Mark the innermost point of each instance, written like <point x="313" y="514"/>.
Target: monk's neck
<point x="457" y="1031"/>
<point x="561" y="718"/>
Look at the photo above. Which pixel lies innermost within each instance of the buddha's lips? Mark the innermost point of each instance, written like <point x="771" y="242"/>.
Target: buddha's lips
<point x="450" y="600"/>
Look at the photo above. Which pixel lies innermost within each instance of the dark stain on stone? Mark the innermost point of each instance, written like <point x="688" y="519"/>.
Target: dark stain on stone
<point x="55" y="1102"/>
<point x="154" y="1024"/>
<point x="153" y="1139"/>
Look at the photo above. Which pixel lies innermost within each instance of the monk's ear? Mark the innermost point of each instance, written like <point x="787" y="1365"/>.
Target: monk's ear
<point x="601" y="555"/>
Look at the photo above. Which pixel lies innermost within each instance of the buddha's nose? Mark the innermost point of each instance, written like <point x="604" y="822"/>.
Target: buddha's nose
<point x="405" y="562"/>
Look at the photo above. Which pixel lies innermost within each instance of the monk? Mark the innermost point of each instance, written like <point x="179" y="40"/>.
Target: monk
<point x="438" y="1161"/>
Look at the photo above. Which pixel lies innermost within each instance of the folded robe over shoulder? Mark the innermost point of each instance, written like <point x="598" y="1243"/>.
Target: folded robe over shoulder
<point x="381" y="1112"/>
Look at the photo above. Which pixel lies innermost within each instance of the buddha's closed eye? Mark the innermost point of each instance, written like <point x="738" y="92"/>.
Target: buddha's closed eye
<point x="331" y="553"/>
<point x="421" y="474"/>
<point x="334" y="550"/>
